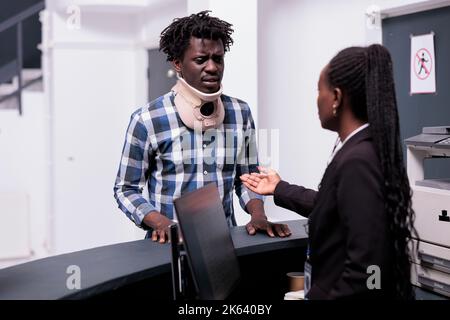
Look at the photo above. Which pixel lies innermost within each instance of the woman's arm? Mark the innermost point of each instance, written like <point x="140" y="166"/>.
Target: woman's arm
<point x="295" y="198"/>
<point x="291" y="197"/>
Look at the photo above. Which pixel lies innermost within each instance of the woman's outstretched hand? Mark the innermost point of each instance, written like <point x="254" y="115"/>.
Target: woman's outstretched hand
<point x="263" y="183"/>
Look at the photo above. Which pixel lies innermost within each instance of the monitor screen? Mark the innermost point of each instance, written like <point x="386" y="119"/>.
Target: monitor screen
<point x="208" y="244"/>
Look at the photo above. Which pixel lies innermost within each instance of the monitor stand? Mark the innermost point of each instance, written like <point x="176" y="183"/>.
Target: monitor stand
<point x="183" y="285"/>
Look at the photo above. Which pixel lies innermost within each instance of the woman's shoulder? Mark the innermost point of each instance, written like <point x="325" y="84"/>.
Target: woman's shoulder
<point x="363" y="153"/>
<point x="363" y="149"/>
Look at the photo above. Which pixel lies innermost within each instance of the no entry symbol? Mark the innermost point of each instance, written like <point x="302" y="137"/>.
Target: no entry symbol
<point x="422" y="64"/>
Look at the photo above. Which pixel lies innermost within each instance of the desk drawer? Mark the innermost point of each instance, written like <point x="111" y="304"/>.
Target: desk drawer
<point x="432" y="208"/>
<point x="432" y="256"/>
<point x="434" y="280"/>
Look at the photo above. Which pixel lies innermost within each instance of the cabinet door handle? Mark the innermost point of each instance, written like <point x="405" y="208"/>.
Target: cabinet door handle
<point x="444" y="216"/>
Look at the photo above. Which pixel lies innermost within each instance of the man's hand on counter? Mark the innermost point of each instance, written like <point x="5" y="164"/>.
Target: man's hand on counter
<point x="259" y="221"/>
<point x="272" y="229"/>
<point x="160" y="225"/>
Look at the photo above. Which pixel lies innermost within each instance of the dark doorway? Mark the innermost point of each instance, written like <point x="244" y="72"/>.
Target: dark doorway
<point x="161" y="76"/>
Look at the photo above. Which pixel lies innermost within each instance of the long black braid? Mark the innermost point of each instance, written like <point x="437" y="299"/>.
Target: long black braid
<point x="175" y="38"/>
<point x="365" y="74"/>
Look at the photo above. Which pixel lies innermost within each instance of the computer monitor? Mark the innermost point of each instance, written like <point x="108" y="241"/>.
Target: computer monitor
<point x="208" y="243"/>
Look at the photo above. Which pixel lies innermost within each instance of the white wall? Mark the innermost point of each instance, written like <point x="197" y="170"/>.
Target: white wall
<point x="93" y="100"/>
<point x="23" y="183"/>
<point x="98" y="77"/>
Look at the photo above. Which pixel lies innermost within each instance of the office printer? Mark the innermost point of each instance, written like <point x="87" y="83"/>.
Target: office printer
<point x="431" y="203"/>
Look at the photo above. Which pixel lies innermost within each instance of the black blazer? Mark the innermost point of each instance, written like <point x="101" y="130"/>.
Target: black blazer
<point x="348" y="227"/>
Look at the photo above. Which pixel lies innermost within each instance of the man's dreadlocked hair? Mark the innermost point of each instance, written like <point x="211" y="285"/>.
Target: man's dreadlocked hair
<point x="175" y="38"/>
<point x="365" y="74"/>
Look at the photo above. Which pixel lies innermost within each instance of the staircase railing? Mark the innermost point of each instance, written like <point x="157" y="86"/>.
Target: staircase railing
<point x="14" y="67"/>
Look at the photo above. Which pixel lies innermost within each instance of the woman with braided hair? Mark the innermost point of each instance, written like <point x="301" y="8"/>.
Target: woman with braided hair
<point x="360" y="220"/>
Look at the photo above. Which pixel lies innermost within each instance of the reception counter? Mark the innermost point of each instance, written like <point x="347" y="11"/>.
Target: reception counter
<point x="142" y="268"/>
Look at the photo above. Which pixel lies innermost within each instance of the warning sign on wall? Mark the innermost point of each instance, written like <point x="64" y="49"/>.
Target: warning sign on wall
<point x="423" y="69"/>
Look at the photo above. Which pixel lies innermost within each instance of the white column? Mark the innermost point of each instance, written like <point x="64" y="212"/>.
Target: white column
<point x="194" y="6"/>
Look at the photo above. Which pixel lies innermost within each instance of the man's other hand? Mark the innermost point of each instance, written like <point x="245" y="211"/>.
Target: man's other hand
<point x="272" y="229"/>
<point x="160" y="225"/>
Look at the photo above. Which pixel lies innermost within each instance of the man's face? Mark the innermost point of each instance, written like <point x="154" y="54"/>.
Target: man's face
<point x="202" y="64"/>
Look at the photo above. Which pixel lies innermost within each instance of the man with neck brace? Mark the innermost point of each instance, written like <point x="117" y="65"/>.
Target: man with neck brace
<point x="192" y="136"/>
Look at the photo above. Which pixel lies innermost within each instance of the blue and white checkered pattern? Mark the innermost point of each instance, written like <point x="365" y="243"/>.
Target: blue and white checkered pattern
<point x="171" y="159"/>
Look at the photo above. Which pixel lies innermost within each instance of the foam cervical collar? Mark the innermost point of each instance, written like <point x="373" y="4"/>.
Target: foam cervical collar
<point x="189" y="102"/>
